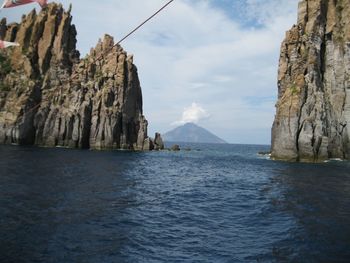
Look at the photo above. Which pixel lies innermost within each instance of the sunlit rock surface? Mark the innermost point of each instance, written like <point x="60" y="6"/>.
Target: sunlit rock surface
<point x="312" y="121"/>
<point x="51" y="97"/>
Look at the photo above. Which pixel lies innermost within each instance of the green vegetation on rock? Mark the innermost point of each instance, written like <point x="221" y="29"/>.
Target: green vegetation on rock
<point x="5" y="66"/>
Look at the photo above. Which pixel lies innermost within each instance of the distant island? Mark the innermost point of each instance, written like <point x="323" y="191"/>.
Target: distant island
<point x="191" y="132"/>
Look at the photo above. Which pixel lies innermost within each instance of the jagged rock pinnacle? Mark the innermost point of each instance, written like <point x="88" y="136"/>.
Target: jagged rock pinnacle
<point x="51" y="97"/>
<point x="312" y="121"/>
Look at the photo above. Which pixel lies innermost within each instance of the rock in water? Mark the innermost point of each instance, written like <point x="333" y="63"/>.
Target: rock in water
<point x="148" y="145"/>
<point x="312" y="121"/>
<point x="175" y="148"/>
<point x="50" y="97"/>
<point x="158" y="142"/>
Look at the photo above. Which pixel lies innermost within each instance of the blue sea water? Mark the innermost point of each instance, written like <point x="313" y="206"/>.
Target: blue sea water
<point x="216" y="203"/>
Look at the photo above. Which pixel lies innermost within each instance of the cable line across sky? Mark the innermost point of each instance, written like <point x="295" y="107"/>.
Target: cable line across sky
<point x="144" y="22"/>
<point x="43" y="3"/>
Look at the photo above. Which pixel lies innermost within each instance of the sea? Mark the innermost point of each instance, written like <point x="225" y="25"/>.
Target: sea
<point x="213" y="203"/>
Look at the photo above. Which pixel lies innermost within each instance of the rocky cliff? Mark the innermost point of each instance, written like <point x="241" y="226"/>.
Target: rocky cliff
<point x="50" y="97"/>
<point x="312" y="121"/>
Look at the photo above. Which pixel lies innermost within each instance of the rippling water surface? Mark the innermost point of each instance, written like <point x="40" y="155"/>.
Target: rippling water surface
<point x="216" y="203"/>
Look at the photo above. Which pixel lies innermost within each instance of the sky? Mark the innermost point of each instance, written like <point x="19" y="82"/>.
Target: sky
<point x="211" y="62"/>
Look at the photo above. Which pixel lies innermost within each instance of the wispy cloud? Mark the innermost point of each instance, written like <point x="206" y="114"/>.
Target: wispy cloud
<point x="193" y="114"/>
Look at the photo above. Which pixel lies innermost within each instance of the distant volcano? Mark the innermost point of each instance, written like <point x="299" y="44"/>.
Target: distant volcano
<point x="191" y="132"/>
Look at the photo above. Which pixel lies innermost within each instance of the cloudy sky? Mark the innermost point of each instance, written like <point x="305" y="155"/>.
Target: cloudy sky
<point x="213" y="62"/>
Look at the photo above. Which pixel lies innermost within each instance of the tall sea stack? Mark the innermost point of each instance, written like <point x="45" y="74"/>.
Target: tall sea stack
<point x="51" y="97"/>
<point x="312" y="121"/>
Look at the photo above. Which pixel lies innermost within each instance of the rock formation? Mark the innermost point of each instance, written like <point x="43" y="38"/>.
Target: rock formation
<point x="312" y="121"/>
<point x="158" y="142"/>
<point x="175" y="148"/>
<point x="50" y="97"/>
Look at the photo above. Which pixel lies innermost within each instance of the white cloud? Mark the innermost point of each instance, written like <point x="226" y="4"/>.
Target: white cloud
<point x="225" y="57"/>
<point x="193" y="114"/>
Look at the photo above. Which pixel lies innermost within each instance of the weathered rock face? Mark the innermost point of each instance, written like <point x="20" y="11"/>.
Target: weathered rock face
<point x="312" y="122"/>
<point x="158" y="142"/>
<point x="49" y="97"/>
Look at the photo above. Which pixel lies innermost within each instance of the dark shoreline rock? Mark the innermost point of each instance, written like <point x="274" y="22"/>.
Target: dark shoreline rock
<point x="158" y="142"/>
<point x="175" y="148"/>
<point x="264" y="153"/>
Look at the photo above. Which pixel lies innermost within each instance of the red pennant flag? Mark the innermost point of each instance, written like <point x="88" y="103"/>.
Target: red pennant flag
<point x="5" y="44"/>
<point x="14" y="3"/>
